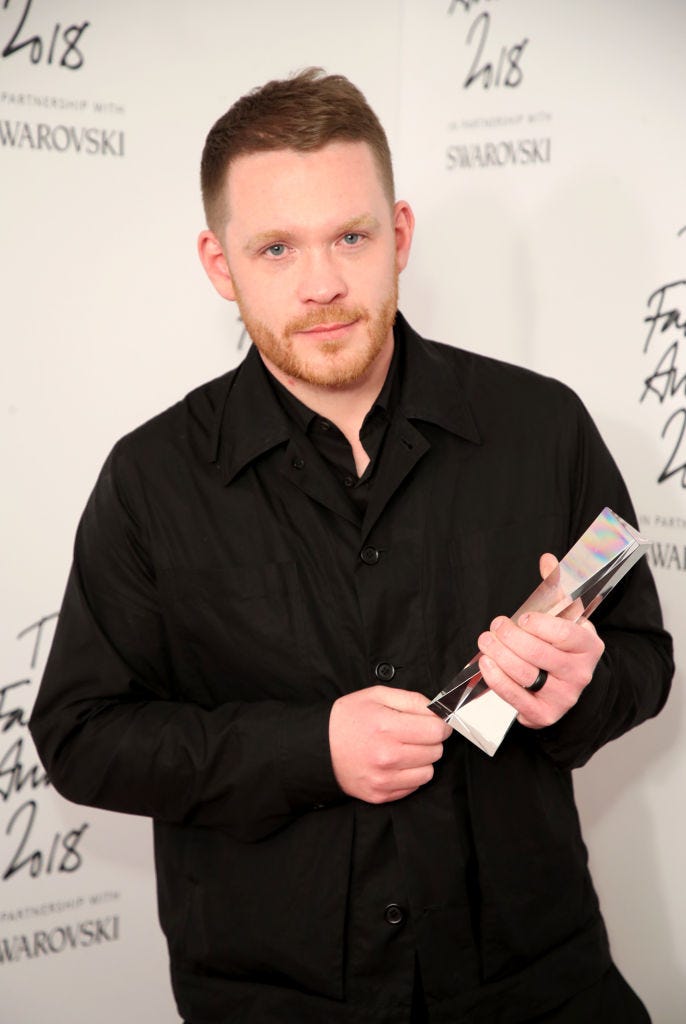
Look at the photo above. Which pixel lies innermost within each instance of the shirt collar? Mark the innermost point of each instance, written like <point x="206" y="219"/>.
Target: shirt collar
<point x="251" y="420"/>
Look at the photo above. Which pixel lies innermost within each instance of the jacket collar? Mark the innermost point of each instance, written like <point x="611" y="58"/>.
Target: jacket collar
<point x="251" y="421"/>
<point x="430" y="388"/>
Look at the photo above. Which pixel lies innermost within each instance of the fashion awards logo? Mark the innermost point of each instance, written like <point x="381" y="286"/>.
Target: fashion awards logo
<point x="493" y="60"/>
<point x="30" y="847"/>
<point x="492" y="64"/>
<point x="664" y="398"/>
<point x="50" y="42"/>
<point x="33" y="36"/>
<point x="666" y="381"/>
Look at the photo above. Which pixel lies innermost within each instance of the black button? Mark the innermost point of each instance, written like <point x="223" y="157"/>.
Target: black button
<point x="384" y="671"/>
<point x="349" y="481"/>
<point x="394" y="914"/>
<point x="324" y="425"/>
<point x="298" y="463"/>
<point x="369" y="555"/>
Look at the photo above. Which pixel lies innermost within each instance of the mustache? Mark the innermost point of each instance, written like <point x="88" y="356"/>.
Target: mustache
<point x="326" y="315"/>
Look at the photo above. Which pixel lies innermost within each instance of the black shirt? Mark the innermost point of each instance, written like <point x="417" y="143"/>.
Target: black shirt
<point x="224" y="593"/>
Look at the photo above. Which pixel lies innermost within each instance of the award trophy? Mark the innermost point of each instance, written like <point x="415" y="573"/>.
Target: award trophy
<point x="587" y="573"/>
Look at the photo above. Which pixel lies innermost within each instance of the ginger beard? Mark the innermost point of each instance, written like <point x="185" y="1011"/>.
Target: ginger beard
<point x="334" y="363"/>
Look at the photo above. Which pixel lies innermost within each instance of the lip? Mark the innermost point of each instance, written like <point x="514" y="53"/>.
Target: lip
<point x="329" y="330"/>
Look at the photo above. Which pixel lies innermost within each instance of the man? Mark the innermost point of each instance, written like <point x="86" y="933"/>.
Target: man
<point x="272" y="579"/>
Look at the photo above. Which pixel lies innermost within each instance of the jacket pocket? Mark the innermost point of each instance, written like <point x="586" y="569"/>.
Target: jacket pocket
<point x="271" y="912"/>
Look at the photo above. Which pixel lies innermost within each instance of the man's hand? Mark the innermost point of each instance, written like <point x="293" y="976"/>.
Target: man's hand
<point x="384" y="743"/>
<point x="514" y="652"/>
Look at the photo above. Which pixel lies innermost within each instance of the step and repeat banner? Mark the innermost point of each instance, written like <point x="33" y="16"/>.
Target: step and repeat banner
<point x="541" y="146"/>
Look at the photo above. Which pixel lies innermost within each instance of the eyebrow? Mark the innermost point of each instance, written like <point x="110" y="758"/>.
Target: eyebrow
<point x="365" y="221"/>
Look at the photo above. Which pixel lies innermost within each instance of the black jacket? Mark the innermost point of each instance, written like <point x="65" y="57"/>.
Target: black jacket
<point x="224" y="593"/>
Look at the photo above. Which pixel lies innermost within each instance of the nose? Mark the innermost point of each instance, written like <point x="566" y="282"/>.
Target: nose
<point x="321" y="279"/>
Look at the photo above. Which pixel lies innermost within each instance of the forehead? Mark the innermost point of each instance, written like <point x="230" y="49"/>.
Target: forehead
<point x="340" y="179"/>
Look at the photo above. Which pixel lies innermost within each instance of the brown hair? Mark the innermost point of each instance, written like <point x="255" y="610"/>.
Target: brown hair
<point x="304" y="112"/>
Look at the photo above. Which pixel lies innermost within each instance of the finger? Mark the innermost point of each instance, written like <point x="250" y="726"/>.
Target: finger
<point x="412" y="778"/>
<point x="563" y="634"/>
<point x="533" y="710"/>
<point x="524" y="703"/>
<point x="404" y="781"/>
<point x="399" y="794"/>
<point x="414" y="710"/>
<point x="419" y="756"/>
<point x="401" y="700"/>
<point x="521" y="667"/>
<point x="547" y="563"/>
<point x="417" y="728"/>
<point x="542" y="640"/>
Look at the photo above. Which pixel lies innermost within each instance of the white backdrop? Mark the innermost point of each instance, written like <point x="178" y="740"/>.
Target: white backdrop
<point x="542" y="147"/>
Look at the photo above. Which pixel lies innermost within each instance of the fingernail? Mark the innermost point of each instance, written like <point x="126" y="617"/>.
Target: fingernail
<point x="485" y="640"/>
<point x="523" y="619"/>
<point x="497" y="623"/>
<point x="486" y="662"/>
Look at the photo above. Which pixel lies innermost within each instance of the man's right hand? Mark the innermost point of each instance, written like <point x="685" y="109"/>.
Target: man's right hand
<point x="384" y="743"/>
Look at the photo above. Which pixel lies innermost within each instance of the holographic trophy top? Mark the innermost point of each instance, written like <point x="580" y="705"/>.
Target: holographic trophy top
<point x="586" y="574"/>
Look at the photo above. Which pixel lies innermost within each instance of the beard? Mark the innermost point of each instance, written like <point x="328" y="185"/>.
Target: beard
<point x="332" y="364"/>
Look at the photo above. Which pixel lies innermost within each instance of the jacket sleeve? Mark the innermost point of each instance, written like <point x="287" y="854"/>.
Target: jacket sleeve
<point x="109" y="722"/>
<point x="632" y="679"/>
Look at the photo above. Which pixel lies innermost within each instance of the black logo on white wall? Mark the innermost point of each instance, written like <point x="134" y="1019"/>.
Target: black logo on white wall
<point x="666" y="384"/>
<point x="494" y="64"/>
<point x="27" y="848"/>
<point x="30" y="30"/>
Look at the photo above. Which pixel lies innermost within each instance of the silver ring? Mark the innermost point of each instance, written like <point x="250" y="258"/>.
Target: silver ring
<point x="539" y="681"/>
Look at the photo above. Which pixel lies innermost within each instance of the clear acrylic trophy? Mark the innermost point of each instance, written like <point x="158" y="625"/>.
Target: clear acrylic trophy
<point x="587" y="573"/>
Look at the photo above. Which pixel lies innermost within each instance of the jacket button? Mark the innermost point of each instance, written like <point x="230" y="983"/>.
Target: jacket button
<point x="369" y="555"/>
<point x="394" y="914"/>
<point x="384" y="671"/>
<point x="298" y="463"/>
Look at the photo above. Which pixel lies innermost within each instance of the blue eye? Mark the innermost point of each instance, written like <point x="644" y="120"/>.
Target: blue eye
<point x="278" y="249"/>
<point x="351" y="237"/>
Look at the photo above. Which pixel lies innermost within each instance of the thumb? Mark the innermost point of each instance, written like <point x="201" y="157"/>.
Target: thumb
<point x="403" y="700"/>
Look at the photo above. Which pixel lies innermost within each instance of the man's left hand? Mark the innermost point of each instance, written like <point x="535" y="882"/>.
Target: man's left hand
<point x="513" y="653"/>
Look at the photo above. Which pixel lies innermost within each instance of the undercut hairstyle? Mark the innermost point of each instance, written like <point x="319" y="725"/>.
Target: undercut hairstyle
<point x="305" y="112"/>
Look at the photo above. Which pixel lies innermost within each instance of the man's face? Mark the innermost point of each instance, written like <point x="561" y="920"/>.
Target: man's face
<point x="313" y="249"/>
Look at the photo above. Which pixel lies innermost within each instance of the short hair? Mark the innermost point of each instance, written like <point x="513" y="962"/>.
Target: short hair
<point x="304" y="112"/>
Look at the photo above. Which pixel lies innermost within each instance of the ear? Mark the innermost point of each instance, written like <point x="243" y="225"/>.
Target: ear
<point x="214" y="261"/>
<point x="403" y="222"/>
